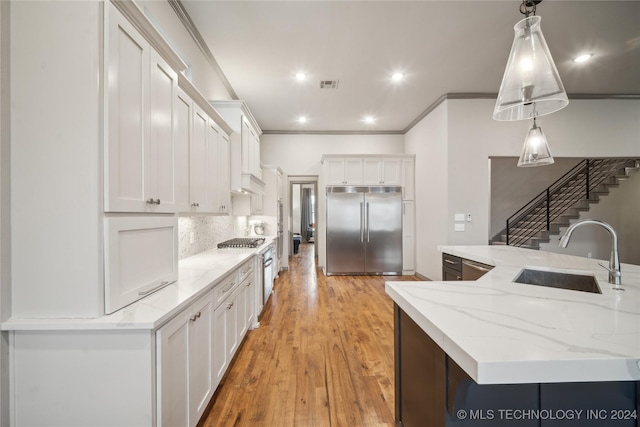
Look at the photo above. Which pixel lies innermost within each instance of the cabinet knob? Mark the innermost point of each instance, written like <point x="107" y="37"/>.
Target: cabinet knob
<point x="193" y="318"/>
<point x="195" y="205"/>
<point x="153" y="201"/>
<point x="229" y="306"/>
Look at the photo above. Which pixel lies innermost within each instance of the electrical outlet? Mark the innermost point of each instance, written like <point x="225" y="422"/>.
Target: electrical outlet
<point x="192" y="236"/>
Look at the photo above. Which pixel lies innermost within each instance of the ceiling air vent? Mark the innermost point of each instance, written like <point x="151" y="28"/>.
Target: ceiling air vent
<point x="328" y="84"/>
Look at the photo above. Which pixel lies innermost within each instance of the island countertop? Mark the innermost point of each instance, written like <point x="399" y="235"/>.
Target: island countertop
<point x="501" y="332"/>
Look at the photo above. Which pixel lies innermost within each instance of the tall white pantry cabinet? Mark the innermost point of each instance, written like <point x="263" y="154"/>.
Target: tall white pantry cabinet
<point x="96" y="184"/>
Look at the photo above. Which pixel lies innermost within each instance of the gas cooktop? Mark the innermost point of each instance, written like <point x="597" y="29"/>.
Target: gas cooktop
<point x="242" y="242"/>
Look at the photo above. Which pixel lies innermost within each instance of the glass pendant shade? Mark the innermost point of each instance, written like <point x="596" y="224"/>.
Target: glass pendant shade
<point x="531" y="85"/>
<point x="535" y="151"/>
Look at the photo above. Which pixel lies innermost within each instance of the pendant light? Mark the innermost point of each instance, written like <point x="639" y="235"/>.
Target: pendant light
<point x="531" y="80"/>
<point x="535" y="151"/>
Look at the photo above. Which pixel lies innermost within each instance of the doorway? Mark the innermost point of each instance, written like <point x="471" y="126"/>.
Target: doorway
<point x="303" y="194"/>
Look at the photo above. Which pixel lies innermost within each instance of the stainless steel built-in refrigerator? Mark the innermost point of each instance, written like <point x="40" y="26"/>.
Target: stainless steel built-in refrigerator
<point x="364" y="230"/>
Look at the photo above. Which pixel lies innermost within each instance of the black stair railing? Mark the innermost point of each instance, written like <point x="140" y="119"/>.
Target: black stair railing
<point x="577" y="185"/>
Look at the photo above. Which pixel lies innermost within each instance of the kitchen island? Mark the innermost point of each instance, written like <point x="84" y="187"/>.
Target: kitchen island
<point x="468" y="353"/>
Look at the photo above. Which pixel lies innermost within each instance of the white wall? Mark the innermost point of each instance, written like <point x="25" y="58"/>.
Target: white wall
<point x="586" y="128"/>
<point x="428" y="141"/>
<point x="56" y="247"/>
<point x="301" y="154"/>
<point x="620" y="209"/>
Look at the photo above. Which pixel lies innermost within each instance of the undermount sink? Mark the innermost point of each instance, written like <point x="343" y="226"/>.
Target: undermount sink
<point x="555" y="279"/>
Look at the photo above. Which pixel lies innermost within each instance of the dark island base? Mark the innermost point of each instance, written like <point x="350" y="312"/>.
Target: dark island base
<point x="433" y="391"/>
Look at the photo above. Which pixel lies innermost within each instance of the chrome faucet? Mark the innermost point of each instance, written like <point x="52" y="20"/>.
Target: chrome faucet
<point x="614" y="261"/>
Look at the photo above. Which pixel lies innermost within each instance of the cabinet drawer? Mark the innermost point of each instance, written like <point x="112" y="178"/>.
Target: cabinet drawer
<point x="141" y="256"/>
<point x="245" y="270"/>
<point x="225" y="288"/>
<point x="452" y="262"/>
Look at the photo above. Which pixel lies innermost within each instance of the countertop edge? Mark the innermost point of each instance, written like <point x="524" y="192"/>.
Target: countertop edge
<point x="155" y="317"/>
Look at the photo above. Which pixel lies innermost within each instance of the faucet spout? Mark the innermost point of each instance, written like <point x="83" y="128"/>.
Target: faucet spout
<point x="615" y="275"/>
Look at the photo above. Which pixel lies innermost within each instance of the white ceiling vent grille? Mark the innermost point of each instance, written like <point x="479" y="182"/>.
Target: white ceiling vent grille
<point x="328" y="84"/>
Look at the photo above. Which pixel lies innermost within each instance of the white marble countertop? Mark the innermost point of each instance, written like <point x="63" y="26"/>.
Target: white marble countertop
<point x="501" y="332"/>
<point x="196" y="275"/>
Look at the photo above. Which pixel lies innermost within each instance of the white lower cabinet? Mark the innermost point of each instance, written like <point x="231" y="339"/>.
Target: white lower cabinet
<point x="185" y="365"/>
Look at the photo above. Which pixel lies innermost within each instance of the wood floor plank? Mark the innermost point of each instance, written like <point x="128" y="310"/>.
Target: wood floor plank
<point x="323" y="355"/>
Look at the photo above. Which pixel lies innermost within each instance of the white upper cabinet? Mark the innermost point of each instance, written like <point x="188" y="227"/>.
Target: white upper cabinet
<point x="382" y="172"/>
<point x="343" y="171"/>
<point x="367" y="169"/>
<point x="198" y="162"/>
<point x="224" y="173"/>
<point x="142" y="93"/>
<point x="184" y="132"/>
<point x="245" y="171"/>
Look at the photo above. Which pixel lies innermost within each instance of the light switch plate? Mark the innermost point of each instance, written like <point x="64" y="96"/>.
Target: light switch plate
<point x="458" y="217"/>
<point x="458" y="227"/>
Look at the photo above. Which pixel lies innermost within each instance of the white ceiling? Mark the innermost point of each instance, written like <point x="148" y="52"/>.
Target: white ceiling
<point x="443" y="47"/>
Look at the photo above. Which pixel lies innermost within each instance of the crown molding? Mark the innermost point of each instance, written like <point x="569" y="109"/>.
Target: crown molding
<point x="191" y="28"/>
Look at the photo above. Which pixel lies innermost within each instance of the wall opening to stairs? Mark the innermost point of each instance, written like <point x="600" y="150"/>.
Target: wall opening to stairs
<point x="619" y="208"/>
<point x="512" y="187"/>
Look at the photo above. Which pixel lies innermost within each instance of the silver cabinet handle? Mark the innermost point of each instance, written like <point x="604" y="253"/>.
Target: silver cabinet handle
<point x="475" y="267"/>
<point x="448" y="261"/>
<point x="249" y="283"/>
<point x="368" y="235"/>
<point x="148" y="291"/>
<point x="224" y="291"/>
<point x="229" y="306"/>
<point x="153" y="201"/>
<point x="361" y="222"/>
<point x="195" y="205"/>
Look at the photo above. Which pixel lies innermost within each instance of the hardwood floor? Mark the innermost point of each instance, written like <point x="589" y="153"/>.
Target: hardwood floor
<point x="323" y="355"/>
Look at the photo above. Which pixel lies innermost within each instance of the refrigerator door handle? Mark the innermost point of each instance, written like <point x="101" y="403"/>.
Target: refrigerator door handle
<point x="368" y="234"/>
<point x="361" y="223"/>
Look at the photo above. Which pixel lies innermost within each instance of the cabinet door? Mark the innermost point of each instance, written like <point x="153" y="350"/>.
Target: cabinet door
<point x="198" y="161"/>
<point x="408" y="180"/>
<point x="249" y="302"/>
<point x="201" y="374"/>
<point x="219" y="343"/>
<point x="162" y="100"/>
<point x="173" y="372"/>
<point x="224" y="175"/>
<point x="232" y="330"/>
<point x="141" y="256"/>
<point x="408" y="236"/>
<point x="128" y="110"/>
<point x="183" y="115"/>
<point x="211" y="185"/>
<point x="353" y="172"/>
<point x="391" y="172"/>
<point x="334" y="172"/>
<point x="372" y="172"/>
<point x="241" y="313"/>
<point x="246" y="144"/>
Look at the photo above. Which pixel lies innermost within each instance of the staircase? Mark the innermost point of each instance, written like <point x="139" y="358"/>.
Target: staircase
<point x="563" y="201"/>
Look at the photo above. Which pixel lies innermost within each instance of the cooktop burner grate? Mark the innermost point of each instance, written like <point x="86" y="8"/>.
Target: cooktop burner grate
<point x="242" y="242"/>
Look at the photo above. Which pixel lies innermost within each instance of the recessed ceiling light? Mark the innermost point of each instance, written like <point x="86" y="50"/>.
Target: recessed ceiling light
<point x="396" y="77"/>
<point x="302" y="119"/>
<point x="300" y="76"/>
<point x="583" y="58"/>
<point x="369" y="119"/>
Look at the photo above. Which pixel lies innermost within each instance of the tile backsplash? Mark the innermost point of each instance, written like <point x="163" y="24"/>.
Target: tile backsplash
<point x="207" y="231"/>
